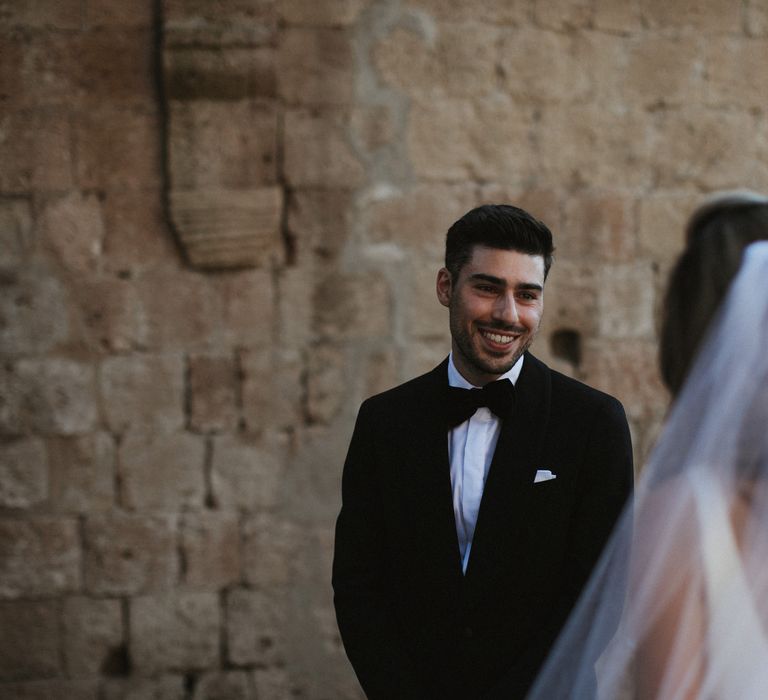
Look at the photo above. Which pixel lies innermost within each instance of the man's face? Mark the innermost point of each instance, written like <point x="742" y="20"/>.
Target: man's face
<point x="495" y="309"/>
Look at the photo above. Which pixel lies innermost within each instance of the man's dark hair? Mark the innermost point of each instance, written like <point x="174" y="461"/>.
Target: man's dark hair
<point x="496" y="226"/>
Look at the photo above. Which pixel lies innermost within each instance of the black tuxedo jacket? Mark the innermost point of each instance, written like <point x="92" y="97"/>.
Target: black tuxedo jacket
<point x="413" y="625"/>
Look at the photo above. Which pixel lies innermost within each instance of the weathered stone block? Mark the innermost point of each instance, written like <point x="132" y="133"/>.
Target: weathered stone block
<point x="599" y="226"/>
<point x="326" y="385"/>
<point x="136" y="233"/>
<point x="23" y="473"/>
<point x="34" y="311"/>
<point x="626" y="300"/>
<point x="42" y="14"/>
<point x="111" y="315"/>
<point x="212" y="393"/>
<point x="39" y="557"/>
<point x="318" y="222"/>
<point x="244" y="302"/>
<point x="226" y="22"/>
<point x="45" y="690"/>
<point x="93" y="636"/>
<point x="317" y="152"/>
<point x="225" y="685"/>
<point x="666" y="70"/>
<point x="710" y="16"/>
<point x="229" y="228"/>
<point x="73" y="228"/>
<point x="275" y="684"/>
<point x="326" y="13"/>
<point x="491" y="11"/>
<point x="315" y="66"/>
<point x="29" y="640"/>
<point x="453" y="140"/>
<point x="271" y="388"/>
<point x="117" y="147"/>
<point x="271" y="550"/>
<point x="380" y="372"/>
<point x="15" y="231"/>
<point x="177" y="632"/>
<point x="756" y="18"/>
<point x="210" y="547"/>
<point x="661" y="224"/>
<point x="352" y="305"/>
<point x="129" y="554"/>
<point x="543" y="66"/>
<point x="221" y="146"/>
<point x="612" y="16"/>
<point x="735" y="72"/>
<point x="255" y="633"/>
<point x="629" y="371"/>
<point x="161" y="472"/>
<point x="224" y="73"/>
<point x="373" y="126"/>
<point x="563" y="14"/>
<point x="571" y="299"/>
<point x="423" y="314"/>
<point x="81" y="473"/>
<point x="418" y="219"/>
<point x="115" y="13"/>
<point x="36" y="152"/>
<point x="245" y="474"/>
<point x="708" y="149"/>
<point x="295" y="288"/>
<point x="143" y="392"/>
<point x="58" y="395"/>
<point x="165" y="687"/>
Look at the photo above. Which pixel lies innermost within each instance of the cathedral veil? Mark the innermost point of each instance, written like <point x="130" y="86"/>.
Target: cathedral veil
<point x="677" y="608"/>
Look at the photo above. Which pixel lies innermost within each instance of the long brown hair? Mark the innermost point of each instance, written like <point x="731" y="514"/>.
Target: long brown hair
<point x="716" y="236"/>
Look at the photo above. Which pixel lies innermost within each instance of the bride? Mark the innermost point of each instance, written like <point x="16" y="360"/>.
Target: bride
<point x="677" y="608"/>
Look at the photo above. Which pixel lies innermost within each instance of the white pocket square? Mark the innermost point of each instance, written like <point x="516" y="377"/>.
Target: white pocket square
<point x="543" y="475"/>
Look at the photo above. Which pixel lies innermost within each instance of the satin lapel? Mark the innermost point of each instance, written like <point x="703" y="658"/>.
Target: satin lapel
<point x="506" y="497"/>
<point x="432" y="503"/>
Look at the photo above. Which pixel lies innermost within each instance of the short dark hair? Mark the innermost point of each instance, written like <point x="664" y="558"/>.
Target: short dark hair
<point x="716" y="236"/>
<point x="496" y="226"/>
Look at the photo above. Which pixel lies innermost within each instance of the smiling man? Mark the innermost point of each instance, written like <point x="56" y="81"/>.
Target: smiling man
<point x="476" y="498"/>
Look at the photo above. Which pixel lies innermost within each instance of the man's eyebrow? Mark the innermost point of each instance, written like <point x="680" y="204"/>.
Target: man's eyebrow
<point x="500" y="282"/>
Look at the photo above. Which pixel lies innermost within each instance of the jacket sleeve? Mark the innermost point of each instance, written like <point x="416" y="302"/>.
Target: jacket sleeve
<point x="362" y="595"/>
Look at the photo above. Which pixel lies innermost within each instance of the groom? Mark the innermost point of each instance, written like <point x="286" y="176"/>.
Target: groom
<point x="471" y="518"/>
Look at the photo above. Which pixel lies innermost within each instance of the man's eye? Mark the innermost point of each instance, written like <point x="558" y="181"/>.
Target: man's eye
<point x="486" y="288"/>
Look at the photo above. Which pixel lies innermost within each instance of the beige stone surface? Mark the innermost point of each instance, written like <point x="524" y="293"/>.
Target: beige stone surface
<point x="23" y="473"/>
<point x="210" y="549"/>
<point x="60" y="689"/>
<point x="39" y="557"/>
<point x="255" y="631"/>
<point x="143" y="391"/>
<point x="600" y="227"/>
<point x="626" y="300"/>
<point x="129" y="554"/>
<point x="225" y="685"/>
<point x="15" y="230"/>
<point x="734" y="72"/>
<point x="161" y="472"/>
<point x="174" y="632"/>
<point x="163" y="687"/>
<point x="213" y="393"/>
<point x="92" y="633"/>
<point x="29" y="640"/>
<point x="81" y="473"/>
<point x="315" y="66"/>
<point x="320" y="12"/>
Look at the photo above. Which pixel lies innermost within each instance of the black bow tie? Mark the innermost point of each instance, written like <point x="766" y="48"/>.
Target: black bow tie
<point x="499" y="396"/>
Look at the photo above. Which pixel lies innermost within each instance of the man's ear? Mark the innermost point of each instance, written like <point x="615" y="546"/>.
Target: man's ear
<point x="444" y="286"/>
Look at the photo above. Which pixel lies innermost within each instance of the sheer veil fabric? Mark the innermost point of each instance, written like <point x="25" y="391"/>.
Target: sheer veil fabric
<point x="677" y="608"/>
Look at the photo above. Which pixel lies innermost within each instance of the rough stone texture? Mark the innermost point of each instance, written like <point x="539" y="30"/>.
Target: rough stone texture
<point x="39" y="557"/>
<point x="29" y="640"/>
<point x="93" y="636"/>
<point x="172" y="437"/>
<point x="210" y="549"/>
<point x="174" y="632"/>
<point x="23" y="473"/>
<point x="161" y="472"/>
<point x="129" y="554"/>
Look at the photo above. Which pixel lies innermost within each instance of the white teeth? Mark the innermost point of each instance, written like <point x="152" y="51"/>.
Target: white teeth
<point x="496" y="338"/>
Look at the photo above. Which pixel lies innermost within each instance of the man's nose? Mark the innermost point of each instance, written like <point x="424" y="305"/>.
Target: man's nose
<point x="505" y="309"/>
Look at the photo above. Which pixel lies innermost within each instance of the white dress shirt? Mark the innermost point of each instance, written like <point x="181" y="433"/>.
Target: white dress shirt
<point x="470" y="451"/>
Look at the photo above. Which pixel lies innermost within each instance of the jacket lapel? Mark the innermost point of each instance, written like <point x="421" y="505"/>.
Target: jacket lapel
<point x="519" y="450"/>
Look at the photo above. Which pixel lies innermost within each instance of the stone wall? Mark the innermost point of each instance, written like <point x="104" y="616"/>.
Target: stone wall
<point x="220" y="223"/>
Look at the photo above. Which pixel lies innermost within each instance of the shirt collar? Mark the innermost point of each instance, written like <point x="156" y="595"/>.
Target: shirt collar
<point x="456" y="379"/>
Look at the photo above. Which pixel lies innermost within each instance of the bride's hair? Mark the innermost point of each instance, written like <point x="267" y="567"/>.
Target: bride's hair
<point x="716" y="236"/>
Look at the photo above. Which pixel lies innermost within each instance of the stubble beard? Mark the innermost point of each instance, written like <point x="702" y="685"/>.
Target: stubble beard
<point x="463" y="342"/>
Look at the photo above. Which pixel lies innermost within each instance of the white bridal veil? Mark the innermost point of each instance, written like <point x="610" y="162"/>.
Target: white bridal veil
<point x="678" y="606"/>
